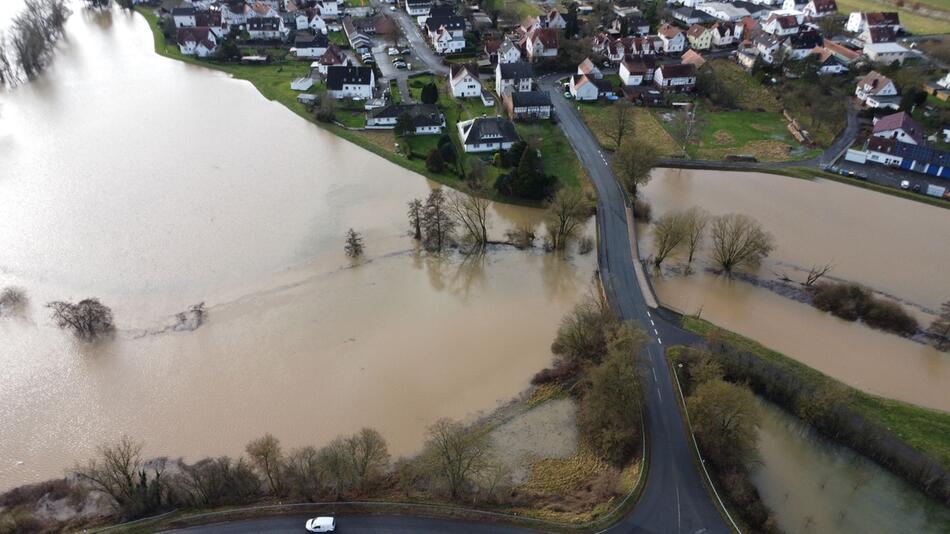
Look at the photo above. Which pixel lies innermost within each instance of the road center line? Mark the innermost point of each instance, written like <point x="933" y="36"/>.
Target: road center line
<point x="660" y="341"/>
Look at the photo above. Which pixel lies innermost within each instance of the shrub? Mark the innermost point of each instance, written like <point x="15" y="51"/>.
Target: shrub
<point x="642" y="210"/>
<point x="582" y="336"/>
<point x="585" y="245"/>
<point x="561" y="370"/>
<point x="852" y="302"/>
<point x="435" y="163"/>
<point x="887" y="315"/>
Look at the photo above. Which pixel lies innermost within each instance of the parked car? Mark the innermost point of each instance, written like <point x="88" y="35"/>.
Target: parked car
<point x="405" y="52"/>
<point x="321" y="524"/>
<point x="392" y="8"/>
<point x="567" y="94"/>
<point x="392" y="51"/>
<point x="905" y="184"/>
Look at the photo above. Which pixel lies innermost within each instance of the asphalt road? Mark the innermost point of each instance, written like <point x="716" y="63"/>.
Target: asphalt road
<point x="362" y="524"/>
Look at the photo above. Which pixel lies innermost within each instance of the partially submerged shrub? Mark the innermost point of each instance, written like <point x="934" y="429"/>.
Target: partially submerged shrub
<point x="852" y="302"/>
<point x="11" y="299"/>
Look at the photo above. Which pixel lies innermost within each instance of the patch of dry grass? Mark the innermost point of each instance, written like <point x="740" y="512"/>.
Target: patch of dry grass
<point x="646" y="130"/>
<point x="561" y="476"/>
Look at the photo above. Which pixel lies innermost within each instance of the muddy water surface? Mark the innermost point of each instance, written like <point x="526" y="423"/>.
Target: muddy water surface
<point x="155" y="185"/>
<point x="892" y="245"/>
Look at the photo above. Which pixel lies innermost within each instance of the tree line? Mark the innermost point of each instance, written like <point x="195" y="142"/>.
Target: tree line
<point x="28" y="48"/>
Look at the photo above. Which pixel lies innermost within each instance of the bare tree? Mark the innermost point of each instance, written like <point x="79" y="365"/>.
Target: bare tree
<point x="88" y="319"/>
<point x="815" y="273"/>
<point x="939" y="329"/>
<point x="477" y="171"/>
<point x="12" y="298"/>
<point x="367" y="455"/>
<point x="303" y="472"/>
<point x="739" y="240"/>
<point x="118" y="471"/>
<point x="567" y="212"/>
<point x="521" y="237"/>
<point x="458" y="453"/>
<point x="633" y="166"/>
<point x="493" y="477"/>
<point x="471" y="214"/>
<point x="686" y="126"/>
<point x="34" y="32"/>
<point x="214" y="482"/>
<point x="354" y="244"/>
<point x="415" y="218"/>
<point x="334" y="467"/>
<point x="621" y="119"/>
<point x="266" y="455"/>
<point x="669" y="232"/>
<point x="695" y="221"/>
<point x="438" y="226"/>
<point x="7" y="74"/>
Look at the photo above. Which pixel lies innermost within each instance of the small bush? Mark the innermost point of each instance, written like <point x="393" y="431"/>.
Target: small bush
<point x="642" y="210"/>
<point x="561" y="370"/>
<point x="11" y="298"/>
<point x="852" y="302"/>
<point x="585" y="245"/>
<point x="887" y="315"/>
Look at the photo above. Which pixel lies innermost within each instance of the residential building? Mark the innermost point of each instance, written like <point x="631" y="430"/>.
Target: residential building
<point x="508" y="52"/>
<point x="886" y="53"/>
<point x="917" y="158"/>
<point x="690" y="16"/>
<point x="528" y="105"/>
<point x="878" y="34"/>
<point x="800" y="45"/>
<point x="829" y="63"/>
<point x="680" y="77"/>
<point x="350" y="82"/>
<point x="781" y="25"/>
<point x="700" y="37"/>
<point x="184" y="17"/>
<point x="637" y="70"/>
<point x="694" y="58"/>
<point x="309" y="45"/>
<point x="265" y="29"/>
<point x="463" y="81"/>
<point x="199" y="42"/>
<point x="767" y="46"/>
<point x="583" y="88"/>
<point x="819" y="8"/>
<point x="487" y="134"/>
<point x="672" y="38"/>
<point x="446" y="33"/>
<point x="723" y="11"/>
<point x="541" y="43"/>
<point x="513" y="77"/>
<point x="900" y="127"/>
<point x="426" y="118"/>
<point x="262" y="10"/>
<point x="334" y="56"/>
<point x="588" y="68"/>
<point x="418" y="8"/>
<point x="724" y="33"/>
<point x="859" y="21"/>
<point x="555" y="20"/>
<point x="877" y="91"/>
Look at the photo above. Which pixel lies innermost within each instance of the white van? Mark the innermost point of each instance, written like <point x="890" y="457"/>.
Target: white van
<point x="321" y="524"/>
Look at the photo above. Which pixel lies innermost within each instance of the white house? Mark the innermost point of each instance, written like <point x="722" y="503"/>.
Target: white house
<point x="635" y="70"/>
<point x="767" y="46"/>
<point x="513" y="76"/>
<point x="675" y="77"/>
<point x="508" y="52"/>
<point x="235" y="14"/>
<point x="724" y="34"/>
<point x="583" y="88"/>
<point x="781" y="25"/>
<point x="541" y="43"/>
<point x="311" y="19"/>
<point x="418" y="8"/>
<point x="801" y="45"/>
<point x="329" y="9"/>
<point x="265" y="29"/>
<point x="334" y="56"/>
<point x="487" y="134"/>
<point x="199" y="42"/>
<point x="426" y="118"/>
<point x="588" y="68"/>
<point x="859" y="21"/>
<point x="310" y="46"/>
<point x="820" y="8"/>
<point x="899" y="126"/>
<point x="672" y="38"/>
<point x="555" y="20"/>
<point x="184" y="17"/>
<point x="886" y="53"/>
<point x="724" y="11"/>
<point x="877" y="91"/>
<point x="463" y="81"/>
<point x="446" y="33"/>
<point x="350" y="82"/>
<point x="262" y="10"/>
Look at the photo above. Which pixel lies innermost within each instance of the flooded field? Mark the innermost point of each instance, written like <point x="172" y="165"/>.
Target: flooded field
<point x="817" y="486"/>
<point x="890" y="244"/>
<point x="155" y="185"/>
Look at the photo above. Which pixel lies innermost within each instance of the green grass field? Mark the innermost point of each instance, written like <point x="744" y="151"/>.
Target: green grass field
<point x="751" y="95"/>
<point x="924" y="429"/>
<point x="762" y="134"/>
<point x="645" y="127"/>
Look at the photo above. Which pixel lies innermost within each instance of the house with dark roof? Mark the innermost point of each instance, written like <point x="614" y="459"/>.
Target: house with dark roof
<point x="820" y="8"/>
<point x="680" y="77"/>
<point x="637" y="70"/>
<point x="309" y="45"/>
<point x="878" y="34"/>
<point x="541" y="43"/>
<point x="800" y="45"/>
<point x="446" y="33"/>
<point x="418" y="8"/>
<point x="860" y="21"/>
<point x="333" y="56"/>
<point x="899" y="126"/>
<point x="781" y="25"/>
<point x="528" y="105"/>
<point x="877" y="91"/>
<point x="199" y="42"/>
<point x="487" y="134"/>
<point x="517" y="76"/>
<point x="266" y="28"/>
<point x="690" y="16"/>
<point x="907" y="156"/>
<point x="426" y="119"/>
<point x="350" y="82"/>
<point x="184" y="17"/>
<point x="587" y="67"/>
<point x="463" y="80"/>
<point x="583" y="88"/>
<point x="828" y="62"/>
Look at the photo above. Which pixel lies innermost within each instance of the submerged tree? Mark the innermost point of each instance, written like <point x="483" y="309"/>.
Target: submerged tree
<point x="88" y="319"/>
<point x="725" y="419"/>
<point x="633" y="166"/>
<point x="472" y="215"/>
<point x="438" y="226"/>
<point x="415" y="218"/>
<point x="354" y="244"/>
<point x="738" y="240"/>
<point x="567" y="212"/>
<point x="939" y="329"/>
<point x="669" y="232"/>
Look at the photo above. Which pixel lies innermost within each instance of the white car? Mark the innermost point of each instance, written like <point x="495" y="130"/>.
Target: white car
<point x="392" y="8"/>
<point x="321" y="524"/>
<point x="393" y="51"/>
<point x="905" y="184"/>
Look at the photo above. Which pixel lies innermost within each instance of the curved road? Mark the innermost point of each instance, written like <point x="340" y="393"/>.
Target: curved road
<point x="675" y="499"/>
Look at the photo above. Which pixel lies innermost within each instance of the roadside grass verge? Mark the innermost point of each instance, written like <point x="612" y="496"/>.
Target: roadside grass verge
<point x="923" y="429"/>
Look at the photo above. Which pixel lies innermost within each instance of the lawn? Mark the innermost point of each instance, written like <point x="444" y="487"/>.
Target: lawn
<point x="924" y="429"/>
<point x="751" y="95"/>
<point x="913" y="22"/>
<point x="763" y="134"/>
<point x="556" y="151"/>
<point x="646" y="129"/>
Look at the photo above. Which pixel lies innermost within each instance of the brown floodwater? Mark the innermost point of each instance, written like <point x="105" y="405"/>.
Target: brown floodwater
<point x="895" y="246"/>
<point x="155" y="185"/>
<point x="814" y="485"/>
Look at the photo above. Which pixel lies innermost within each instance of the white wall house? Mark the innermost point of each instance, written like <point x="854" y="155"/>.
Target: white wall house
<point x="184" y="17"/>
<point x="350" y="82"/>
<point x="672" y="38"/>
<point x="675" y="77"/>
<point x="487" y="134"/>
<point x="513" y="77"/>
<point x="877" y="91"/>
<point x="508" y="52"/>
<point x="583" y="88"/>
<point x="463" y="81"/>
<point x="199" y="42"/>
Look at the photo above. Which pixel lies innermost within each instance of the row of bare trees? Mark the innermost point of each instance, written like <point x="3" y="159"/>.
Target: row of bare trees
<point x="445" y="220"/>
<point x="34" y="32"/>
<point x="457" y="461"/>
<point x="737" y="240"/>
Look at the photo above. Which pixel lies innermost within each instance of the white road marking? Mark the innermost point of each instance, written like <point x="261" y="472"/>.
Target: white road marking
<point x="655" y="332"/>
<point x="658" y="394"/>
<point x="654" y="373"/>
<point x="652" y="323"/>
<point x="648" y="314"/>
<point x="660" y="341"/>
